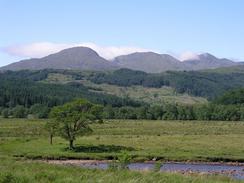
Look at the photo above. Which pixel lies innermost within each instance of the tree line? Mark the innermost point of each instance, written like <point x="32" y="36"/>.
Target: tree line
<point x="157" y="112"/>
<point x="176" y="112"/>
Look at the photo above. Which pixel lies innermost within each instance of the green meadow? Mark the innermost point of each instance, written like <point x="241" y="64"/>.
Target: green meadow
<point x="23" y="141"/>
<point x="143" y="140"/>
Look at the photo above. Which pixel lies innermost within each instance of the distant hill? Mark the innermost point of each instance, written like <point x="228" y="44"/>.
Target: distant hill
<point x="155" y="63"/>
<point x="83" y="58"/>
<point x="197" y="83"/>
<point x="206" y="83"/>
<point x="77" y="58"/>
<point x="208" y="61"/>
<point x="149" y="62"/>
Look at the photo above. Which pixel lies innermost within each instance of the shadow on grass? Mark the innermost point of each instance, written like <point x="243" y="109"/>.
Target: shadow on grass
<point x="100" y="148"/>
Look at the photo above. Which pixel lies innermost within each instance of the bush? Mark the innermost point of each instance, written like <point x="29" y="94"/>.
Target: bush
<point x="124" y="160"/>
<point x="5" y="113"/>
<point x="39" y="111"/>
<point x="19" y="112"/>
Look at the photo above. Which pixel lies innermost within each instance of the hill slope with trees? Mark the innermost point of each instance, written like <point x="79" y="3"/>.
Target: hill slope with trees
<point x="198" y="83"/>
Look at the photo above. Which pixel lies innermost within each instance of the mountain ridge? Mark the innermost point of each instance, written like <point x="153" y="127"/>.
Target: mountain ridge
<point x="76" y="58"/>
<point x="84" y="58"/>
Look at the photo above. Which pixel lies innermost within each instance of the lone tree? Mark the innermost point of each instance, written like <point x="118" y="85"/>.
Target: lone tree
<point x="52" y="127"/>
<point x="74" y="118"/>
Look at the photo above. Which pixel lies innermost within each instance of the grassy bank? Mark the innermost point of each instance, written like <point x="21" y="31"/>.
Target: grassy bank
<point x="16" y="171"/>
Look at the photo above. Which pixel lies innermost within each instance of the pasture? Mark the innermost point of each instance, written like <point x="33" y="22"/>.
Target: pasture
<point x="23" y="141"/>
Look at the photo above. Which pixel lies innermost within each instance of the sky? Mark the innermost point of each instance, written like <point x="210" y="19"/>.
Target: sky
<point x="181" y="28"/>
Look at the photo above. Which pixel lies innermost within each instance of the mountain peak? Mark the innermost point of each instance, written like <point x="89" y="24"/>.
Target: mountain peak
<point x="77" y="58"/>
<point x="148" y="62"/>
<point x="206" y="56"/>
<point x="79" y="49"/>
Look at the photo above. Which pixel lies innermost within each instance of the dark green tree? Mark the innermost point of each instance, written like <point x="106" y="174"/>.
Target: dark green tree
<point x="39" y="111"/>
<point x="19" y="112"/>
<point x="52" y="126"/>
<point x="5" y="113"/>
<point x="74" y="119"/>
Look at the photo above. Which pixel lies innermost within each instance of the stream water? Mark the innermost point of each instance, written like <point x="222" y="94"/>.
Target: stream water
<point x="234" y="171"/>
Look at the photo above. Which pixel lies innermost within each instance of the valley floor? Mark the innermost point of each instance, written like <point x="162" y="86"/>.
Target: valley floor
<point x="142" y="140"/>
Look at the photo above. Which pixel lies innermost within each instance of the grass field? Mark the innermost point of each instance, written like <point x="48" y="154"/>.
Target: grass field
<point x="144" y="140"/>
<point x="21" y="139"/>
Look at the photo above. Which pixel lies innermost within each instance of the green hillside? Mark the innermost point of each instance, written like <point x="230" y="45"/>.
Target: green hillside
<point x="198" y="83"/>
<point x="148" y="95"/>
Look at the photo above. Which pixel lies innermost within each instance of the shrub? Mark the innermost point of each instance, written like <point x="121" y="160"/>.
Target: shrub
<point x="19" y="112"/>
<point x="5" y="113"/>
<point x="124" y="160"/>
<point x="39" y="111"/>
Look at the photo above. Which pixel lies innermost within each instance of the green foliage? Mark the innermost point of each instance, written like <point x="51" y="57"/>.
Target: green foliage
<point x="19" y="112"/>
<point x="24" y="91"/>
<point x="177" y="112"/>
<point x="152" y="96"/>
<point x="5" y="113"/>
<point x="39" y="111"/>
<point x="197" y="83"/>
<point x="17" y="89"/>
<point x="124" y="160"/>
<point x="52" y="127"/>
<point x="231" y="97"/>
<point x="74" y="118"/>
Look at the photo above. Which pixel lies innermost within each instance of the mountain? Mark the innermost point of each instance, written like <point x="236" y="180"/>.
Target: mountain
<point x="83" y="58"/>
<point x="208" y="61"/>
<point x="77" y="58"/>
<point x="154" y="63"/>
<point x="149" y="62"/>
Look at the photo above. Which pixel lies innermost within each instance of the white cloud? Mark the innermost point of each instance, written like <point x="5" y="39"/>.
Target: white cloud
<point x="110" y="52"/>
<point x="34" y="49"/>
<point x="188" y="56"/>
<point x="41" y="49"/>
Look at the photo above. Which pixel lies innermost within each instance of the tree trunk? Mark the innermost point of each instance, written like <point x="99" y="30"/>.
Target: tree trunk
<point x="71" y="144"/>
<point x="51" y="139"/>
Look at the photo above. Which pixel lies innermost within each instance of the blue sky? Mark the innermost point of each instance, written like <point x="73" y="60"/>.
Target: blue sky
<point x="165" y="26"/>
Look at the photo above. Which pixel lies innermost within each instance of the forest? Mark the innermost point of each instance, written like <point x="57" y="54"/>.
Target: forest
<point x="198" y="83"/>
<point x="24" y="94"/>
